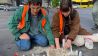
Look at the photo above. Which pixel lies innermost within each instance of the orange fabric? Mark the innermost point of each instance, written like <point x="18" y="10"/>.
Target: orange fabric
<point x="61" y="22"/>
<point x="43" y="22"/>
<point x="22" y="22"/>
<point x="43" y="11"/>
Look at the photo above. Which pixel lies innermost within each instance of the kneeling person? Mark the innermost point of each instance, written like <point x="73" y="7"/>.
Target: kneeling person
<point x="30" y="25"/>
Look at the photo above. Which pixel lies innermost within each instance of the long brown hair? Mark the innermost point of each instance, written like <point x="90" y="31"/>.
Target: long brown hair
<point x="65" y="5"/>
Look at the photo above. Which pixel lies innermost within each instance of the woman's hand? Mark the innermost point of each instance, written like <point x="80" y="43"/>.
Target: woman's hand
<point x="68" y="44"/>
<point x="57" y="43"/>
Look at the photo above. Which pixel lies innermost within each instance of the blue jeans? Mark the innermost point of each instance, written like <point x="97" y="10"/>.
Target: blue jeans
<point x="95" y="13"/>
<point x="38" y="39"/>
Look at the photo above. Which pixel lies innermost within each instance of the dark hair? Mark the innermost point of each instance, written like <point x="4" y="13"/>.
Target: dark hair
<point x="65" y="5"/>
<point x="36" y="2"/>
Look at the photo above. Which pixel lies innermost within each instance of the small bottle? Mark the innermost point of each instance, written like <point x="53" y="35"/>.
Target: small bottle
<point x="23" y="55"/>
<point x="80" y="53"/>
<point x="44" y="55"/>
<point x="32" y="54"/>
<point x="76" y="52"/>
<point x="63" y="42"/>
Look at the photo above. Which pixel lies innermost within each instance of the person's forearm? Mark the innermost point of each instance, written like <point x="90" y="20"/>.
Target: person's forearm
<point x="57" y="43"/>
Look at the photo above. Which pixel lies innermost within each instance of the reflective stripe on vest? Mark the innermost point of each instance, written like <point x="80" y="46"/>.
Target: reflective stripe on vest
<point x="61" y="22"/>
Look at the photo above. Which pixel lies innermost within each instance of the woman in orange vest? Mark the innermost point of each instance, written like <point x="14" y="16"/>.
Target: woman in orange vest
<point x="30" y="25"/>
<point x="66" y="26"/>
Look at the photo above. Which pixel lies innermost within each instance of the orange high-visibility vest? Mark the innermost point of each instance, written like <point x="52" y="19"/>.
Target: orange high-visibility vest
<point x="22" y="22"/>
<point x="61" y="22"/>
